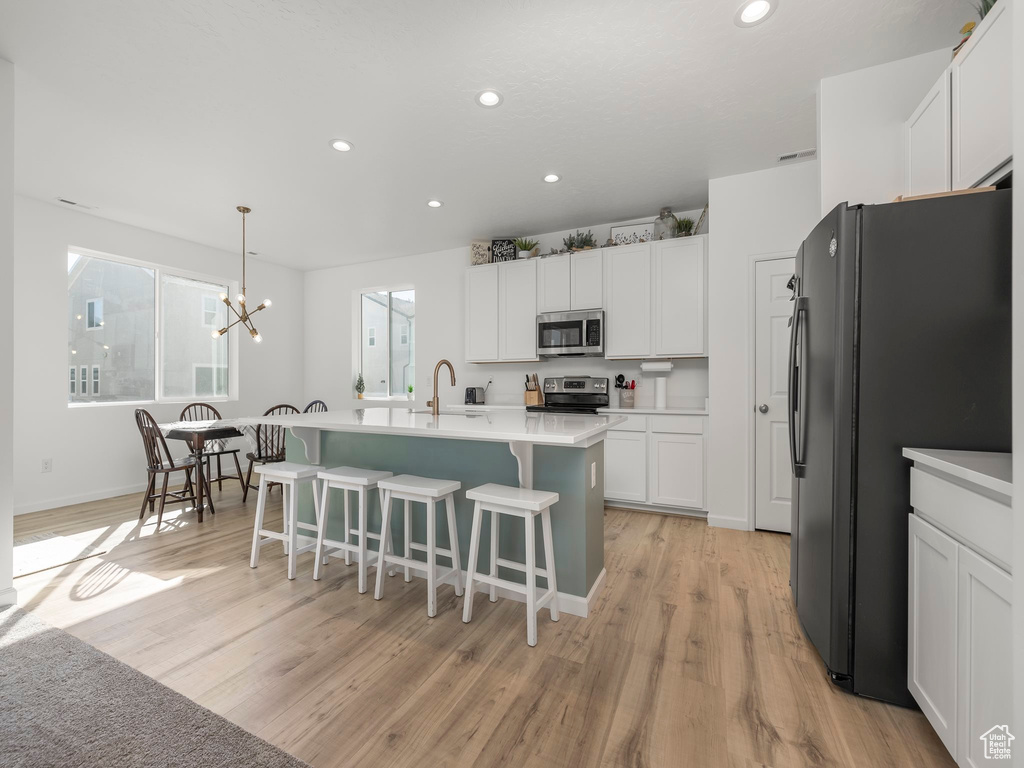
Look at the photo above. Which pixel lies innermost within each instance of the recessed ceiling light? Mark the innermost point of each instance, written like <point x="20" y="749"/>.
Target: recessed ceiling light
<point x="341" y="145"/>
<point x="754" y="12"/>
<point x="434" y="203"/>
<point x="551" y="178"/>
<point x="488" y="98"/>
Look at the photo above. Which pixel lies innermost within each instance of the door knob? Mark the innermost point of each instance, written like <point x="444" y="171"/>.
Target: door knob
<point x="763" y="408"/>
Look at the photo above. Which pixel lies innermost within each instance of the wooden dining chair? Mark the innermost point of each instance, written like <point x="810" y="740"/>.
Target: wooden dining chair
<point x="316" y="406"/>
<point x="160" y="462"/>
<point x="269" y="446"/>
<point x="216" y="448"/>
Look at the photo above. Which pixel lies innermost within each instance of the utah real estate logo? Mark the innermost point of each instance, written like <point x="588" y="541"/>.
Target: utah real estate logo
<point x="997" y="742"/>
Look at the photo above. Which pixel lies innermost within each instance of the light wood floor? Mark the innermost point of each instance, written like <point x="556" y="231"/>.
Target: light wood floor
<point x="693" y="656"/>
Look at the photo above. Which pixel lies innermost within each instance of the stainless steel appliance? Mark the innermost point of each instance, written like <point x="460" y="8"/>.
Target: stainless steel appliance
<point x="573" y="394"/>
<point x="571" y="334"/>
<point x="475" y="395"/>
<point x="900" y="337"/>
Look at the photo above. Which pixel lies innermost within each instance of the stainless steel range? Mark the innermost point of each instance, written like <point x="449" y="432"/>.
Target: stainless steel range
<point x="573" y="394"/>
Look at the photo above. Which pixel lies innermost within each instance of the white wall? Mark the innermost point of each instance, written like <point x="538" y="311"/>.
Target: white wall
<point x="764" y="212"/>
<point x="439" y="280"/>
<point x="97" y="451"/>
<point x="7" y="594"/>
<point x="1018" y="377"/>
<point x="860" y="128"/>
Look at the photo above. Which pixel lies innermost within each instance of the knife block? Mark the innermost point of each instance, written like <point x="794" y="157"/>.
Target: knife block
<point x="533" y="397"/>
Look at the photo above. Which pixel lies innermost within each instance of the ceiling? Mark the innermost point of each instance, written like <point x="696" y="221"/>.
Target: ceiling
<point x="168" y="115"/>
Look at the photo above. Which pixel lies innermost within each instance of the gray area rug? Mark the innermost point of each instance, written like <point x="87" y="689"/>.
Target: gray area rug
<point x="64" y="703"/>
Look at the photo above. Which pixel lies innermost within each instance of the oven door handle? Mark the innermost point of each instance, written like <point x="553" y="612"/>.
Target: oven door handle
<point x="800" y="307"/>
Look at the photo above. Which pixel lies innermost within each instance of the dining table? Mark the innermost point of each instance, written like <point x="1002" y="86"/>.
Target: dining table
<point x="197" y="435"/>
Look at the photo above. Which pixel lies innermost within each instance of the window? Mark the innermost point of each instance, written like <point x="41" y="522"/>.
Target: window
<point x="139" y="323"/>
<point x="94" y="314"/>
<point x="390" y="368"/>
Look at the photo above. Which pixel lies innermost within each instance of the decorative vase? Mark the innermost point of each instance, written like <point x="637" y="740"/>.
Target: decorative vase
<point x="664" y="225"/>
<point x="626" y="398"/>
<point x="525" y="254"/>
<point x="359" y="395"/>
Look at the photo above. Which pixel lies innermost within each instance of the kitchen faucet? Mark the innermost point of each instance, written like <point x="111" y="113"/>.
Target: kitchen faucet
<point x="435" y="404"/>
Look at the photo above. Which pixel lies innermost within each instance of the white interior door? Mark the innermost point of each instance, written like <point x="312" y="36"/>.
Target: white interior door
<point x="772" y="477"/>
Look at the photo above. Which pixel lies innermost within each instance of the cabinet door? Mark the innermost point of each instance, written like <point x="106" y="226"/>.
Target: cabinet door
<point x="587" y="280"/>
<point x="679" y="288"/>
<point x="517" y="310"/>
<point x="627" y="280"/>
<point x="625" y="466"/>
<point x="982" y="100"/>
<point x="931" y="627"/>
<point x="553" y="284"/>
<point x="482" y="313"/>
<point x="676" y="470"/>
<point x="928" y="148"/>
<point x="985" y="657"/>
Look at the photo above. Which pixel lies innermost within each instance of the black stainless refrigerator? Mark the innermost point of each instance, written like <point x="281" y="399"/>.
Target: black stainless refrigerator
<point x="900" y="337"/>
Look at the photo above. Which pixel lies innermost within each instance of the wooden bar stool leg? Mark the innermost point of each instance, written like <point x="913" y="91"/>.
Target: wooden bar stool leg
<point x="531" y="584"/>
<point x="549" y="562"/>
<point x="293" y="528"/>
<point x="385" y="541"/>
<point x="431" y="559"/>
<point x="408" y="538"/>
<point x="316" y="511"/>
<point x="348" y="528"/>
<point x="495" y="523"/>
<point x="453" y="542"/>
<point x="362" y="540"/>
<point x="285" y="494"/>
<point x="474" y="551"/>
<point x="261" y="503"/>
<point x="321" y="527"/>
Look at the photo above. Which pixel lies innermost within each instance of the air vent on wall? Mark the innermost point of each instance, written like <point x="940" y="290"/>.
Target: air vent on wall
<point x="802" y="154"/>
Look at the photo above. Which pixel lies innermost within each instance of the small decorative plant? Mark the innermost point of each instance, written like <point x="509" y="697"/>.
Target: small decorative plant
<point x="983" y="7"/>
<point x="360" y="386"/>
<point x="410" y="391"/>
<point x="579" y="241"/>
<point x="526" y="244"/>
<point x="684" y="227"/>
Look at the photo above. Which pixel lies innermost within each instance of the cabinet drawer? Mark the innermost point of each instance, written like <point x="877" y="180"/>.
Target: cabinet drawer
<point x="977" y="521"/>
<point x="631" y="424"/>
<point x="688" y="425"/>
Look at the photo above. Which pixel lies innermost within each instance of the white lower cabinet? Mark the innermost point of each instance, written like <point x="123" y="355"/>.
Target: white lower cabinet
<point x="656" y="460"/>
<point x="984" y="658"/>
<point x="960" y="654"/>
<point x="625" y="466"/>
<point x="931" y="627"/>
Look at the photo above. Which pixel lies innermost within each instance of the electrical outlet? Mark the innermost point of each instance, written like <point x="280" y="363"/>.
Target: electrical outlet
<point x="47" y="465"/>
<point x="593" y="474"/>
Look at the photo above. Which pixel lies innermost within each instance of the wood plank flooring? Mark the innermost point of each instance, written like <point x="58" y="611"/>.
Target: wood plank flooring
<point x="693" y="656"/>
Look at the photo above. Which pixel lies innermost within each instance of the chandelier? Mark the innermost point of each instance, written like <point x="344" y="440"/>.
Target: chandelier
<point x="243" y="315"/>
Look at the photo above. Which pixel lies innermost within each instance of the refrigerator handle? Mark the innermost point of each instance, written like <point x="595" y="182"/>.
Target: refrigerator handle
<point x="794" y="331"/>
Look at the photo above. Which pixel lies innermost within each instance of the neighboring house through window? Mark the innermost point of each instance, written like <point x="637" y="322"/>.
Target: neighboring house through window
<point x="387" y="352"/>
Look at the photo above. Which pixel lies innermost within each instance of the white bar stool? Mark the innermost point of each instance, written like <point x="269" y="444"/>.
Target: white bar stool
<point x="289" y="475"/>
<point x="346" y="479"/>
<point x="429" y="491"/>
<point x="525" y="504"/>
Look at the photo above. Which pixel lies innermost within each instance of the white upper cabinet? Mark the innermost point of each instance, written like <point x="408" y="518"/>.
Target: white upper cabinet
<point x="627" y="281"/>
<point x="982" y="101"/>
<point x="517" y="310"/>
<point x="553" y="287"/>
<point x="928" y="148"/>
<point x="587" y="280"/>
<point x="679" y="269"/>
<point x="482" y="313"/>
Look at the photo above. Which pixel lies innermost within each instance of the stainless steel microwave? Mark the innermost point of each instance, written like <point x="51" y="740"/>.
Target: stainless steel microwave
<point x="571" y="334"/>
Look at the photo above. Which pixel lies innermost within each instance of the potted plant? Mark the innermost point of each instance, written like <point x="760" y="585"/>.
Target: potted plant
<point x="410" y="391"/>
<point x="579" y="241"/>
<point x="684" y="227"/>
<point x="360" y="386"/>
<point x="526" y="247"/>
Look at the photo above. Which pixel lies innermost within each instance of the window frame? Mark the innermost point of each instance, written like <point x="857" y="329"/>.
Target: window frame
<point x="94" y="381"/>
<point x="98" y="301"/>
<point x="357" y="351"/>
<point x="158" y="271"/>
<point x="203" y="310"/>
<point x="73" y="380"/>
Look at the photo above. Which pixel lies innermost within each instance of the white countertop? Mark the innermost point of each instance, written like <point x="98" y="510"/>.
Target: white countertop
<point x="643" y="411"/>
<point x="497" y="425"/>
<point x="993" y="471"/>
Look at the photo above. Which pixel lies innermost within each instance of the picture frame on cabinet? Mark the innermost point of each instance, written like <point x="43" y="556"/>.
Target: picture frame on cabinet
<point x="504" y="249"/>
<point x="633" y="233"/>
<point x="480" y="252"/>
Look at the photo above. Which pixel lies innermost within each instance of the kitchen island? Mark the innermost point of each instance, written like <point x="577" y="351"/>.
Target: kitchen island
<point x="554" y="452"/>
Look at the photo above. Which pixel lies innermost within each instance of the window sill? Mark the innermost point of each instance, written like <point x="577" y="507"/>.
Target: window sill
<point x="137" y="403"/>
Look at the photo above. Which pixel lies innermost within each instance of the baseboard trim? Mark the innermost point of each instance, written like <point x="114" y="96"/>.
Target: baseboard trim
<point x="9" y="596"/>
<point x="80" y="498"/>
<point x="574" y="605"/>
<point x="717" y="521"/>
<point x="635" y="506"/>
